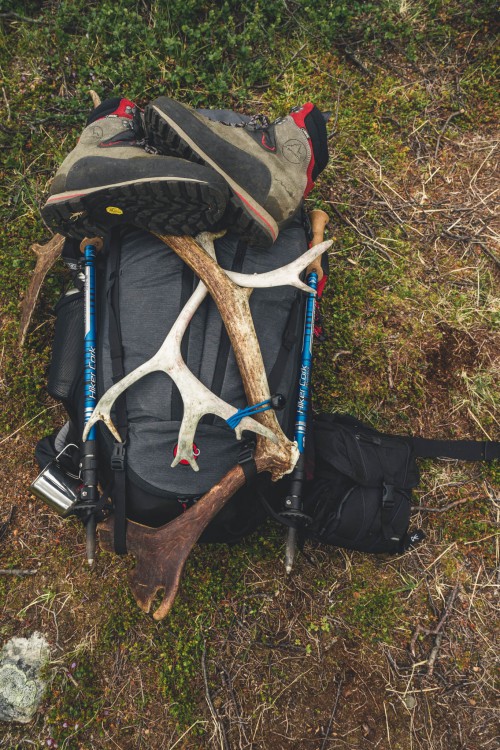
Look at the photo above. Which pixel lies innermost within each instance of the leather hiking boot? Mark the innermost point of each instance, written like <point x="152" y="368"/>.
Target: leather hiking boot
<point x="269" y="167"/>
<point x="109" y="179"/>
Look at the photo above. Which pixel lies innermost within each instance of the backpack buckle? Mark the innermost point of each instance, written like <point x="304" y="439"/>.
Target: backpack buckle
<point x="247" y="462"/>
<point x="387" y="497"/>
<point x="118" y="457"/>
<point x="246" y="452"/>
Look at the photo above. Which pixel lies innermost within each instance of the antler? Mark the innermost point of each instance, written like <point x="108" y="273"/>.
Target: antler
<point x="162" y="552"/>
<point x="46" y="256"/>
<point x="198" y="400"/>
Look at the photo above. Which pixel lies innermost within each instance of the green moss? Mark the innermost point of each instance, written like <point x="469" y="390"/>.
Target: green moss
<point x="371" y="611"/>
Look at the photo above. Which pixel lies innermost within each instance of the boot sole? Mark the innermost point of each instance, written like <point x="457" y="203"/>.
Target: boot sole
<point x="167" y="206"/>
<point x="245" y="216"/>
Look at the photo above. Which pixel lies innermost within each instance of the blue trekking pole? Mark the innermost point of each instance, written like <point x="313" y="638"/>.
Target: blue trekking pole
<point x="293" y="502"/>
<point x="89" y="494"/>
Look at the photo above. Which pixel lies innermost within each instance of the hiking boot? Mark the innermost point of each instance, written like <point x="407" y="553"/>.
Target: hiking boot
<point x="109" y="179"/>
<point x="269" y="167"/>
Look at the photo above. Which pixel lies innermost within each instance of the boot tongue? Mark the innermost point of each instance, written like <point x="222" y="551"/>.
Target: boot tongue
<point x="315" y="123"/>
<point x="115" y="106"/>
<point x="308" y="116"/>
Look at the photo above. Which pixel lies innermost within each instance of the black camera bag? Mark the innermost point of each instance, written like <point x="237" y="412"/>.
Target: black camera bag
<point x="360" y="497"/>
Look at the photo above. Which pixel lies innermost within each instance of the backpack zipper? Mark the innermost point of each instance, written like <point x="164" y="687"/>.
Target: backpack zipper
<point x="359" y="438"/>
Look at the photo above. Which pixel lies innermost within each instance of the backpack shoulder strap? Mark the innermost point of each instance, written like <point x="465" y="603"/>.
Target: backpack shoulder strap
<point x="224" y="342"/>
<point x="118" y="457"/>
<point x="463" y="450"/>
<point x="290" y="337"/>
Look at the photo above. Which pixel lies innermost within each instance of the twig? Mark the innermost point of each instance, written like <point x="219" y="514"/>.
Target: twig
<point x="374" y="243"/>
<point x="215" y="716"/>
<point x="4" y="526"/>
<point x="431" y="565"/>
<point x="290" y="61"/>
<point x="352" y="58"/>
<point x="435" y="631"/>
<point x="443" y="509"/>
<point x="333" y="129"/>
<point x="27" y="423"/>
<point x="17" y="17"/>
<point x="17" y="572"/>
<point x="445" y="128"/>
<point x="474" y="176"/>
<point x="387" y="727"/>
<point x="7" y="105"/>
<point x="488" y="252"/>
<point x="332" y="715"/>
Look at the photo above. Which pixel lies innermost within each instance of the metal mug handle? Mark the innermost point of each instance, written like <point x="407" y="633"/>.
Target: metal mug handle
<point x="57" y="487"/>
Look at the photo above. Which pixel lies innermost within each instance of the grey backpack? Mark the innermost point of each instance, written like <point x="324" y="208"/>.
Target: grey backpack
<point x="142" y="286"/>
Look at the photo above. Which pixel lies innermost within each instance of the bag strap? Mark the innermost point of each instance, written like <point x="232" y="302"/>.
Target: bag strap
<point x="118" y="458"/>
<point x="224" y="342"/>
<point x="290" y="337"/>
<point x="463" y="450"/>
<point x="176" y="407"/>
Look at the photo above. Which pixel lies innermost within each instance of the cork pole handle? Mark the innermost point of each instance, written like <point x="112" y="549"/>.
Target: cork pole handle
<point x="319" y="219"/>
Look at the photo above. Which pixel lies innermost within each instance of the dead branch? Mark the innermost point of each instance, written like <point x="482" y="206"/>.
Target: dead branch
<point x="5" y="524"/>
<point x="332" y="715"/>
<point x="17" y="572"/>
<point x="11" y="16"/>
<point x="443" y="509"/>
<point x="437" y="631"/>
<point x="445" y="128"/>
<point x="219" y="726"/>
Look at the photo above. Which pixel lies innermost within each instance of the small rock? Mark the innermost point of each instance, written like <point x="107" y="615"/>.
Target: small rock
<point x="21" y="687"/>
<point x="410" y="701"/>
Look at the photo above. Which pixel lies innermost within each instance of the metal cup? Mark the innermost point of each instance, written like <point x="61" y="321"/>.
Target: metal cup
<point x="58" y="488"/>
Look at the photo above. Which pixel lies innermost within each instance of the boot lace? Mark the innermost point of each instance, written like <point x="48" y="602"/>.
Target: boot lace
<point x="256" y="122"/>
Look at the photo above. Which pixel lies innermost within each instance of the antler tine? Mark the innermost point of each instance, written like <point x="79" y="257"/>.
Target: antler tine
<point x="198" y="400"/>
<point x="286" y="275"/>
<point x="160" y="361"/>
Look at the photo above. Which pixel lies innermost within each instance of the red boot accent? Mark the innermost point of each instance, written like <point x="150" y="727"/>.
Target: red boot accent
<point x="299" y="117"/>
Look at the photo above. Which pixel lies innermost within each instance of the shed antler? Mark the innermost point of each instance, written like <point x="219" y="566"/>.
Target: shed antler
<point x="46" y="256"/>
<point x="197" y="399"/>
<point x="162" y="552"/>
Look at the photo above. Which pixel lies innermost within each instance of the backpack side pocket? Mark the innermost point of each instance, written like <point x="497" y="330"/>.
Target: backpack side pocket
<point x="66" y="364"/>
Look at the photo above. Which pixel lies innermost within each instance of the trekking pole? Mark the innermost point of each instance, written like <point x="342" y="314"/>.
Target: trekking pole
<point x="293" y="501"/>
<point x="89" y="494"/>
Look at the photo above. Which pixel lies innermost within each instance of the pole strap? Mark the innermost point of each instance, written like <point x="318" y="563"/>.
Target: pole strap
<point x="236" y="418"/>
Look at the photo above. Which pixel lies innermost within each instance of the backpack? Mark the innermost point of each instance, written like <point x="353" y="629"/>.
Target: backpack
<point x="142" y="285"/>
<point x="360" y="497"/>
